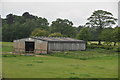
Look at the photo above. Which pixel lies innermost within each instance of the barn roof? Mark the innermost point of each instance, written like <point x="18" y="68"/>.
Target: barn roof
<point x="57" y="39"/>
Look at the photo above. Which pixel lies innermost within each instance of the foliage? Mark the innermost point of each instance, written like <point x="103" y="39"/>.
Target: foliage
<point x="85" y="34"/>
<point x="107" y="47"/>
<point x="99" y="20"/>
<point x="16" y="27"/>
<point x="55" y="35"/>
<point x="39" y="32"/>
<point x="63" y="26"/>
<point x="107" y="35"/>
<point x="10" y="18"/>
<point x="117" y="48"/>
<point x="116" y="34"/>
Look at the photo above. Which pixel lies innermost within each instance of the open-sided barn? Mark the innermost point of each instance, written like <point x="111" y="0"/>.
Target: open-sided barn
<point x="47" y="44"/>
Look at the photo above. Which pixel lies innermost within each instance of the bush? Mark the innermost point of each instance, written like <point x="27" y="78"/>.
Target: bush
<point x="39" y="32"/>
<point x="10" y="55"/>
<point x="100" y="46"/>
<point x="117" y="49"/>
<point x="57" y="35"/>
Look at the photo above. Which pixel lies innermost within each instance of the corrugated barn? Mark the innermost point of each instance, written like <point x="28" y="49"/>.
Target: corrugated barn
<point x="47" y="44"/>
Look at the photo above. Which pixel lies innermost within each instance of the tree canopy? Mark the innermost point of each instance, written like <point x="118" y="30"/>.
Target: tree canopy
<point x="39" y="32"/>
<point x="97" y="27"/>
<point x="63" y="26"/>
<point x="99" y="20"/>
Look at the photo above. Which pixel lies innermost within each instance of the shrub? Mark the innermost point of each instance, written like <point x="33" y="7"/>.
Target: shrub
<point x="100" y="46"/>
<point x="117" y="49"/>
<point x="39" y="32"/>
<point x="10" y="55"/>
<point x="57" y="35"/>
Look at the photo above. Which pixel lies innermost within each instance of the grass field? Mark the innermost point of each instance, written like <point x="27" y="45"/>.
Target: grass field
<point x="7" y="46"/>
<point x="92" y="63"/>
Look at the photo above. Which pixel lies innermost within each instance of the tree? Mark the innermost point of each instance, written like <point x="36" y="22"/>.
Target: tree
<point x="80" y="27"/>
<point x="116" y="35"/>
<point x="16" y="27"/>
<point x="63" y="26"/>
<point x="56" y="35"/>
<point x="39" y="32"/>
<point x="99" y="20"/>
<point x="42" y="23"/>
<point x="10" y="19"/>
<point x="28" y="16"/>
<point x="107" y="35"/>
<point x="85" y="34"/>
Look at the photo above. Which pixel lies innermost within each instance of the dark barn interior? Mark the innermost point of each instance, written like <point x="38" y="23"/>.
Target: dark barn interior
<point x="29" y="47"/>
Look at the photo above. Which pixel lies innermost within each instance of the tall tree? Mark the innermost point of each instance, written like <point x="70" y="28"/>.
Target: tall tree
<point x="99" y="20"/>
<point x="27" y="15"/>
<point x="42" y="23"/>
<point x="63" y="26"/>
<point x="116" y="35"/>
<point x="80" y="27"/>
<point x="107" y="35"/>
<point x="85" y="34"/>
<point x="10" y="18"/>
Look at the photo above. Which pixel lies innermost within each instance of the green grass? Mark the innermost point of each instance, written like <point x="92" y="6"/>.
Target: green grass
<point x="58" y="67"/>
<point x="7" y="46"/>
<point x="85" y="55"/>
<point x="92" y="63"/>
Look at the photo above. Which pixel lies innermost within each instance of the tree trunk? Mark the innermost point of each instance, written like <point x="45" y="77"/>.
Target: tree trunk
<point x="86" y="43"/>
<point x="114" y="43"/>
<point x="99" y="42"/>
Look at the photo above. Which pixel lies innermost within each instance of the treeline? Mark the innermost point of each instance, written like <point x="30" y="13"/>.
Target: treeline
<point x="97" y="28"/>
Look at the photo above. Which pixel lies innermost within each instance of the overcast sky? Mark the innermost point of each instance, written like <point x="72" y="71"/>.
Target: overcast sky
<point x="77" y="12"/>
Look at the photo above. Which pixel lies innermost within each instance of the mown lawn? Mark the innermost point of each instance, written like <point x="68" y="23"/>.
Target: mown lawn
<point x="92" y="63"/>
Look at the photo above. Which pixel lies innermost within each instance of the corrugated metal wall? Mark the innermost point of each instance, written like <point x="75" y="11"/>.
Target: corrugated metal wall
<point x="65" y="46"/>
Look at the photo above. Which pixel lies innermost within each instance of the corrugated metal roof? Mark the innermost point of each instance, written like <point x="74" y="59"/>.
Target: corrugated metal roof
<point x="58" y="39"/>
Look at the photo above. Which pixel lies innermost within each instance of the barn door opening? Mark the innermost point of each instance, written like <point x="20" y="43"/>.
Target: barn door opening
<point x="29" y="47"/>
